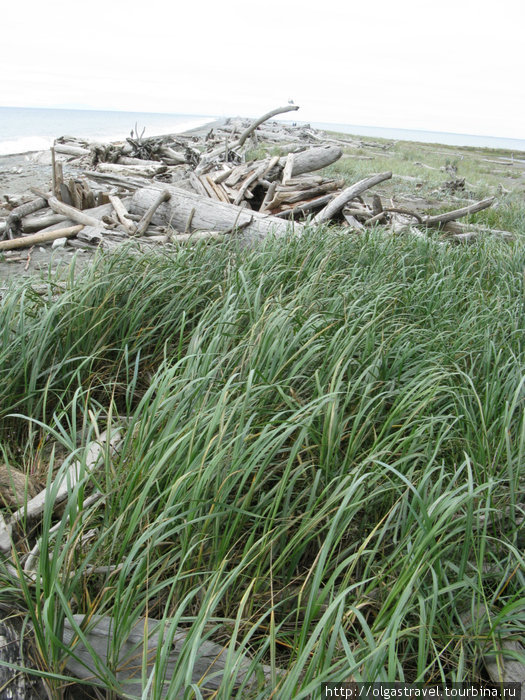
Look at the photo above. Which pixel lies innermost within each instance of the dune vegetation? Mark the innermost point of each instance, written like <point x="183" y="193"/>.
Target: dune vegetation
<point x="321" y="464"/>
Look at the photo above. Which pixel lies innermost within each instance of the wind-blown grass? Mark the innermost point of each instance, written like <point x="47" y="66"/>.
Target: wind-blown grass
<point x="322" y="456"/>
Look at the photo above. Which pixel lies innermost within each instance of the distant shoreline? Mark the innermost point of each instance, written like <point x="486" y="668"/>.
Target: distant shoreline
<point x="36" y="133"/>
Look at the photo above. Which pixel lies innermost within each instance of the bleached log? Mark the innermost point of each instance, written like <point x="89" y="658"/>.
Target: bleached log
<point x="293" y="196"/>
<point x="208" y="215"/>
<point x="72" y="213"/>
<point x="260" y="172"/>
<point x="459" y="213"/>
<point x="15" y="653"/>
<point x="196" y="236"/>
<point x="140" y="646"/>
<point x="92" y="235"/>
<point x="304" y="207"/>
<point x="335" y="206"/>
<point x="458" y="227"/>
<point x="133" y="170"/>
<point x="62" y="485"/>
<point x="14" y="222"/>
<point x="121" y="212"/>
<point x="313" y="159"/>
<point x="143" y="224"/>
<point x="211" y="155"/>
<point x="128" y="183"/>
<point x="68" y="150"/>
<point x="264" y="118"/>
<point x="96" y="213"/>
<point x="42" y="237"/>
<point x="173" y="155"/>
<point x="128" y="160"/>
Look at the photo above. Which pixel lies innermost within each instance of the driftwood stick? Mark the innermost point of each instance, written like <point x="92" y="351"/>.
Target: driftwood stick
<point x="288" y="168"/>
<point x="143" y="224"/>
<point x="43" y="237"/>
<point x="304" y="207"/>
<point x="457" y="227"/>
<point x="14" y="223"/>
<point x="268" y="196"/>
<point x="458" y="213"/>
<point x="335" y="206"/>
<point x="122" y="213"/>
<point x="265" y="117"/>
<point x="72" y="213"/>
<point x="63" y="483"/>
<point x="259" y="172"/>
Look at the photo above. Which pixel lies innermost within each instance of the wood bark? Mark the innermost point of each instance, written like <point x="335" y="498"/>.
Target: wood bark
<point x="208" y="215"/>
<point x="15" y="650"/>
<point x="335" y="206"/>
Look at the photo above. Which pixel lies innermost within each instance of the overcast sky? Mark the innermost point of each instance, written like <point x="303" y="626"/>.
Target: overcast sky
<point x="452" y="65"/>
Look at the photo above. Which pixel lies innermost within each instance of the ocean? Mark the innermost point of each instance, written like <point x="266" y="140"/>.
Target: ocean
<point x="24" y="129"/>
<point x="34" y="129"/>
<point x="443" y="137"/>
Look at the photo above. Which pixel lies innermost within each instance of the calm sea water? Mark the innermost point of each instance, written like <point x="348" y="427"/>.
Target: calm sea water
<point x="32" y="129"/>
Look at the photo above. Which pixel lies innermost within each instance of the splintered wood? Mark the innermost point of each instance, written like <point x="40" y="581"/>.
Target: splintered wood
<point x="118" y="191"/>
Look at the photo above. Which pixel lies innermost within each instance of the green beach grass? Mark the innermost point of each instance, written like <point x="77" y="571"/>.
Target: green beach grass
<point x="322" y="456"/>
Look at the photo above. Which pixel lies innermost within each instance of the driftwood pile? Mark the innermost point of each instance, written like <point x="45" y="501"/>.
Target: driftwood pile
<point x="179" y="188"/>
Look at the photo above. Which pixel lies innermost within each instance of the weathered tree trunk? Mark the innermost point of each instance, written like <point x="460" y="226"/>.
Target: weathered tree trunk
<point x="133" y="170"/>
<point x="208" y="214"/>
<point x="69" y="150"/>
<point x="208" y="663"/>
<point x="313" y="159"/>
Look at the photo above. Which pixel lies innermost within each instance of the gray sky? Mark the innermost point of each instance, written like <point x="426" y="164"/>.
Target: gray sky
<point x="452" y="65"/>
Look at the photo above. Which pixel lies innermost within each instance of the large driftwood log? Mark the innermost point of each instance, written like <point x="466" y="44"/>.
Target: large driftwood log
<point x="133" y="170"/>
<point x="313" y="159"/>
<point x="208" y="214"/>
<point x="68" y="150"/>
<point x="142" y="643"/>
<point x="36" y="223"/>
<point x="339" y="202"/>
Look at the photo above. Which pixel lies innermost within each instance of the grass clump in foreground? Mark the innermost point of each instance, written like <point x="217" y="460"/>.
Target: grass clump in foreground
<point x="321" y="464"/>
